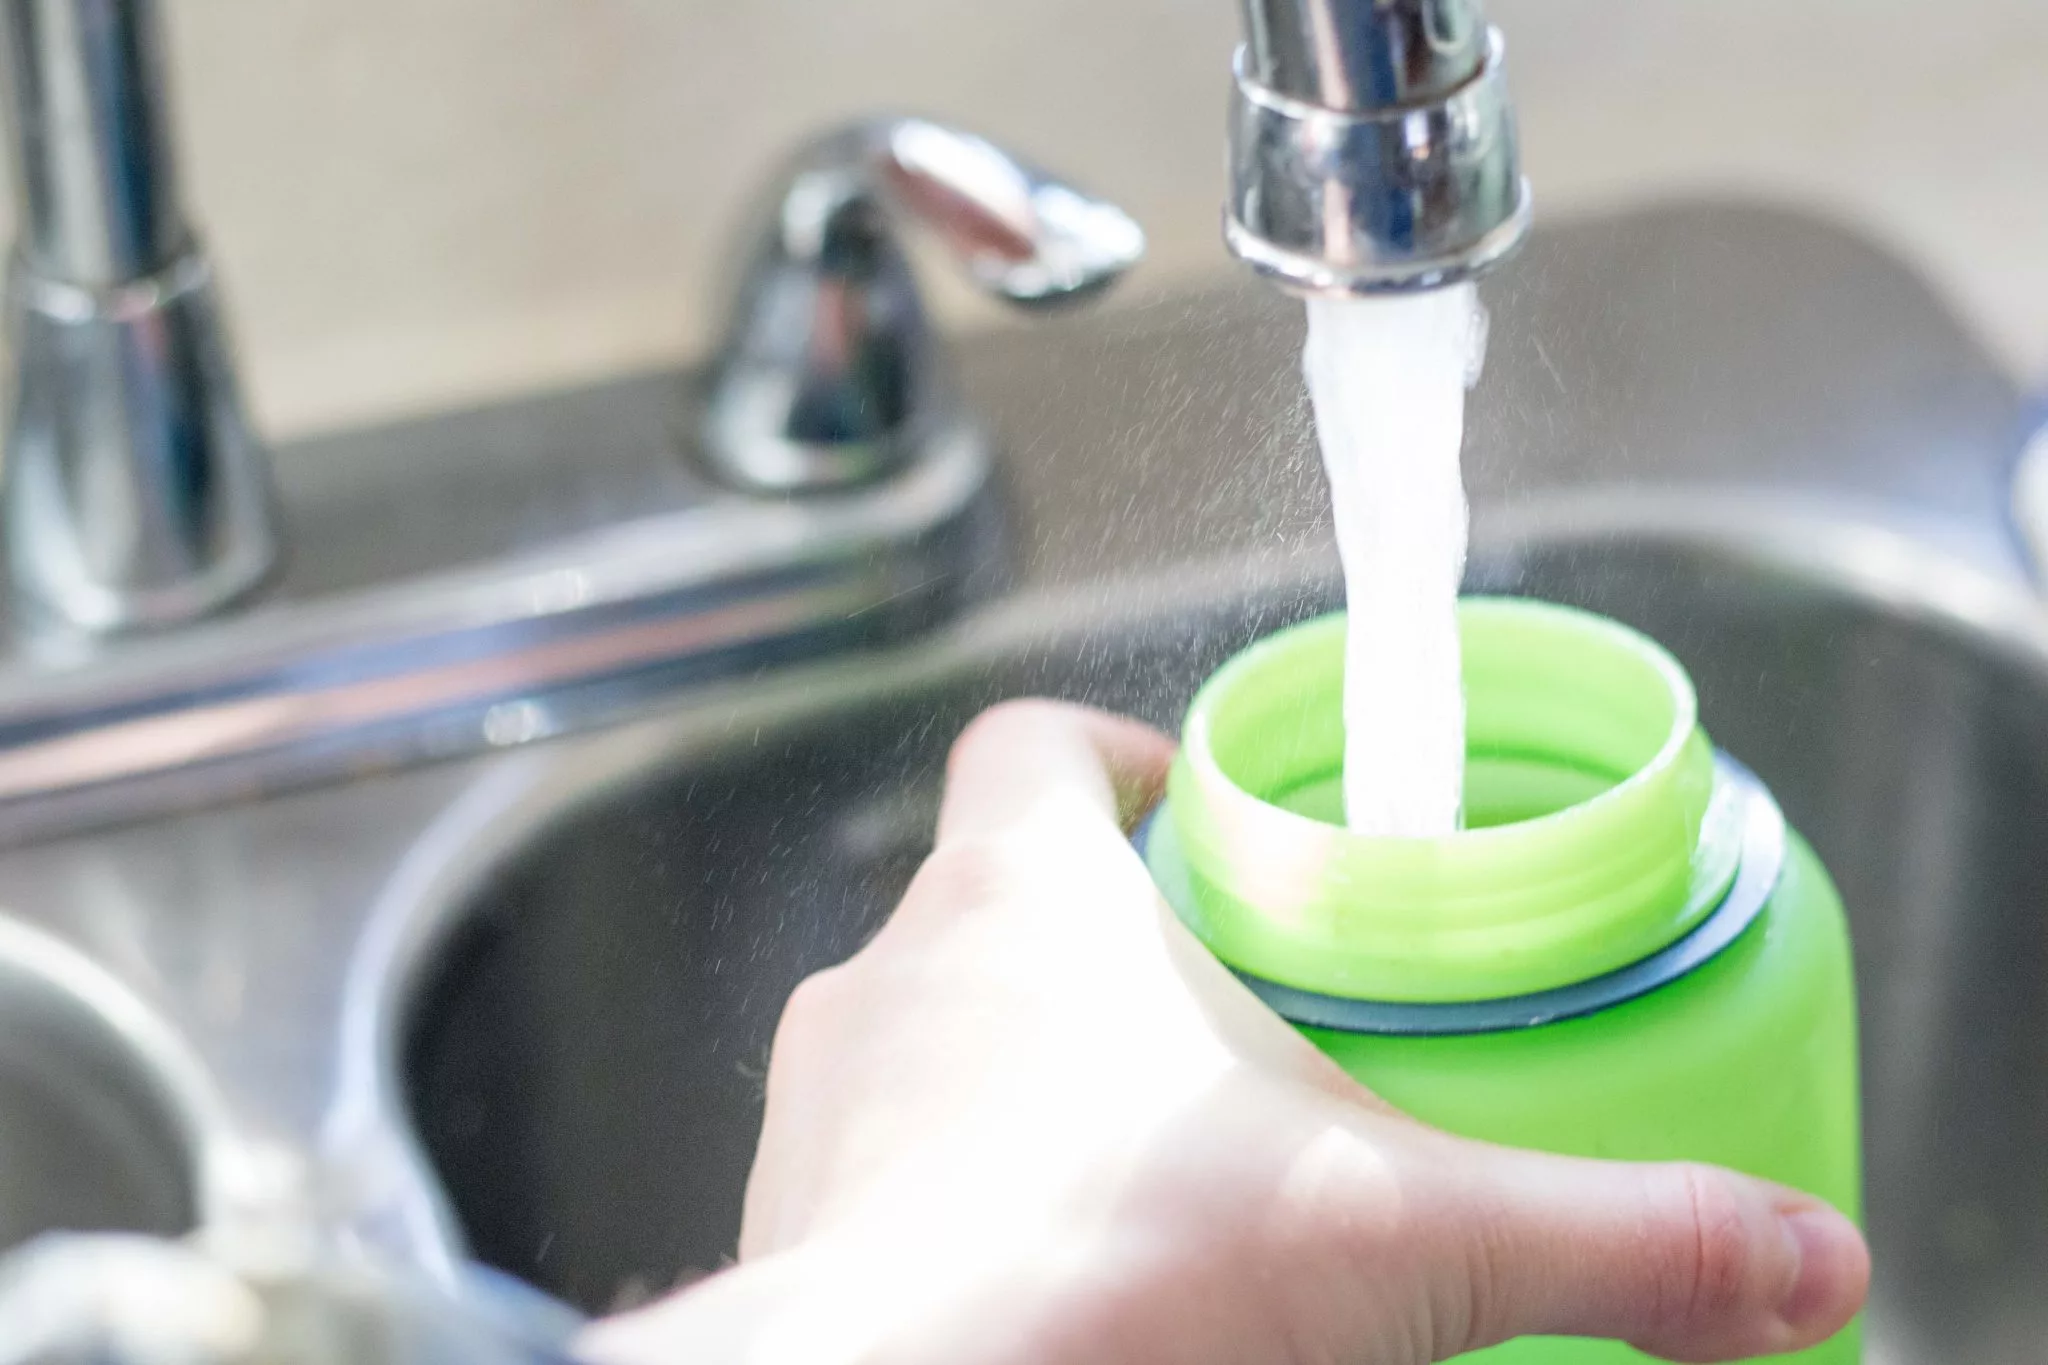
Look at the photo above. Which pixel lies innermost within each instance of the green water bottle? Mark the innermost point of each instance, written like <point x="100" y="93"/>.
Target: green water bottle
<point x="1625" y="954"/>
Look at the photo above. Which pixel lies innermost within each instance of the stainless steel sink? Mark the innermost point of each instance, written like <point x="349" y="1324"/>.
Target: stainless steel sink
<point x="518" y="1003"/>
<point x="585" y="1061"/>
<point x="95" y="1134"/>
<point x="591" y="1045"/>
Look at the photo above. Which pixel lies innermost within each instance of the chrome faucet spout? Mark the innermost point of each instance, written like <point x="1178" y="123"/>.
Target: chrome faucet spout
<point x="1372" y="146"/>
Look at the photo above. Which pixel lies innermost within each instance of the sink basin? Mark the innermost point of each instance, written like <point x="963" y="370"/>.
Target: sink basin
<point x="593" y="1041"/>
<point x="522" y="998"/>
<point x="584" y="1060"/>
<point x="91" y="1136"/>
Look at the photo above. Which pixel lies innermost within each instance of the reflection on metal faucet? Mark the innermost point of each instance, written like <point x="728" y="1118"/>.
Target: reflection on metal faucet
<point x="136" y="493"/>
<point x="1372" y="146"/>
<point x="830" y="375"/>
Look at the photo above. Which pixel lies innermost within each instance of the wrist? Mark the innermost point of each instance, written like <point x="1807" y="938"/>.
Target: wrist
<point x="826" y="1301"/>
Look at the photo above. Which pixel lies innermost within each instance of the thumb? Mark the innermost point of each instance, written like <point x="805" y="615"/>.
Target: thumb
<point x="1692" y="1263"/>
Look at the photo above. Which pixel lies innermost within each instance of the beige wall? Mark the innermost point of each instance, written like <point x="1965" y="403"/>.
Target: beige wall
<point x="421" y="201"/>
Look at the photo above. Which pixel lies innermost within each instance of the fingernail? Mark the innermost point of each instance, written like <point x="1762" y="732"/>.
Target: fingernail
<point x="1829" y="1249"/>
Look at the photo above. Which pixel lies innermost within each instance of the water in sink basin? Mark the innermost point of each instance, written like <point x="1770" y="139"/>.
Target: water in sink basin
<point x="586" y="1063"/>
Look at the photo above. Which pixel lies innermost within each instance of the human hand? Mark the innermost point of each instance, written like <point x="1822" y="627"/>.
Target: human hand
<point x="1035" y="1121"/>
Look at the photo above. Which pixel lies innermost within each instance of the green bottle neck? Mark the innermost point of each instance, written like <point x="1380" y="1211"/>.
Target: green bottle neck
<point x="1595" y="837"/>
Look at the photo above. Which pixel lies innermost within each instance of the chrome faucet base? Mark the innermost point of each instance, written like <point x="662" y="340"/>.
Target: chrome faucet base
<point x="479" y="581"/>
<point x="502" y="576"/>
<point x="136" y="493"/>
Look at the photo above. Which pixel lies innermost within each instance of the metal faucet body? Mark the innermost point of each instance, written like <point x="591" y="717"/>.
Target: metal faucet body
<point x="136" y="492"/>
<point x="830" y="375"/>
<point x="1372" y="146"/>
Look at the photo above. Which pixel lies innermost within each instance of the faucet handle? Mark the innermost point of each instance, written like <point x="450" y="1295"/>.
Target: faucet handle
<point x="829" y="375"/>
<point x="1022" y="235"/>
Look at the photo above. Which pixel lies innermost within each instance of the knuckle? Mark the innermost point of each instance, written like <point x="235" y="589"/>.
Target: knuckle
<point x="967" y="873"/>
<point x="1004" y="719"/>
<point x="813" y="1010"/>
<point x="954" y="884"/>
<point x="1487" y="1305"/>
<point x="1714" y="1267"/>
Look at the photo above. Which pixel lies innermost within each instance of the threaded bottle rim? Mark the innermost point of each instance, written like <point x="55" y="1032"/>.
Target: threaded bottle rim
<point x="1595" y="836"/>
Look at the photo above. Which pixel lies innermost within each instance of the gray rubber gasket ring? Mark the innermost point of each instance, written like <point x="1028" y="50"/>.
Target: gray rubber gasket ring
<point x="1756" y="877"/>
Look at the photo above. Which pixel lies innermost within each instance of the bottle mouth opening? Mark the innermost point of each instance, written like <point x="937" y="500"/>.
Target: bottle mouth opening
<point x="1562" y="707"/>
<point x="1589" y="787"/>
